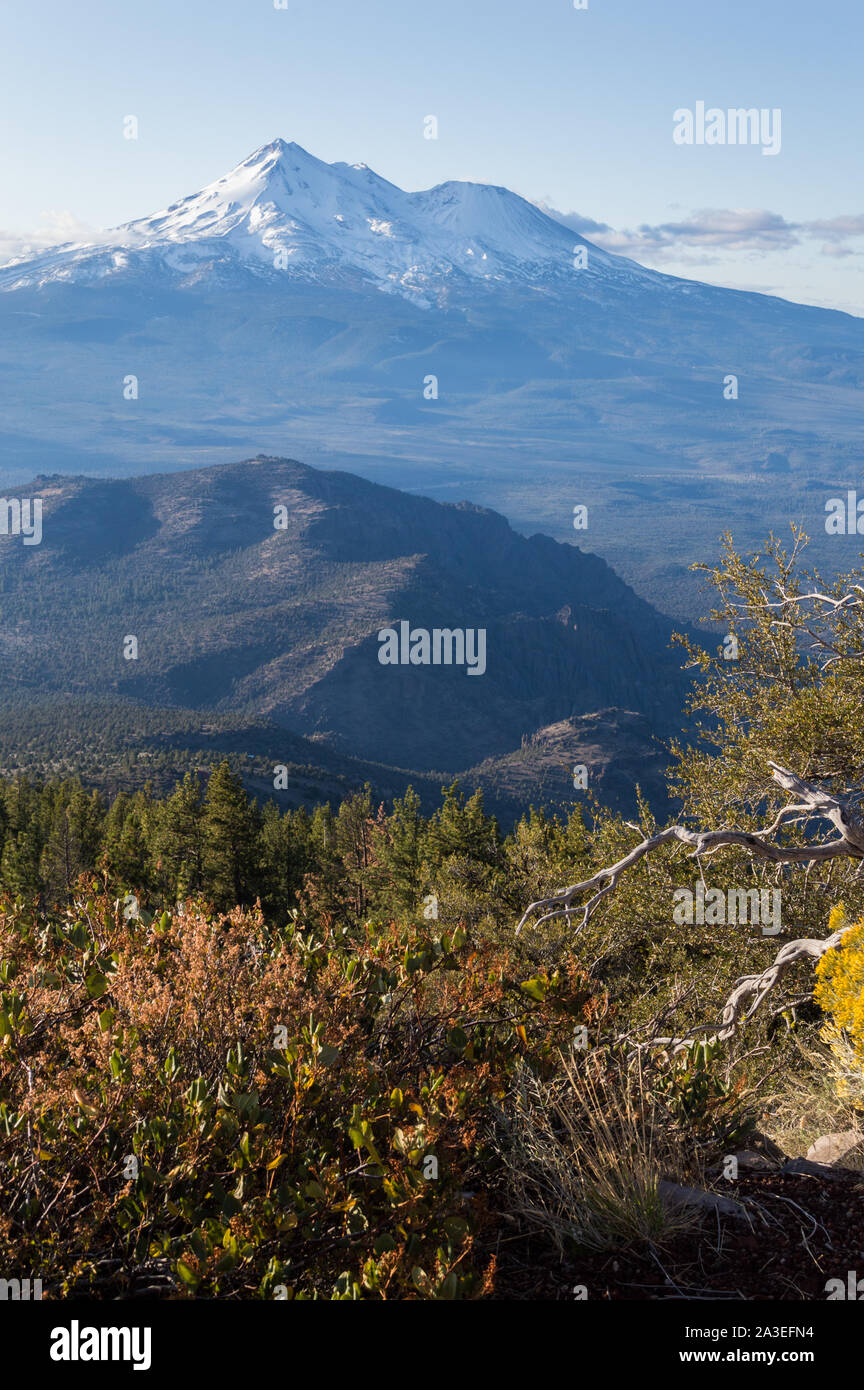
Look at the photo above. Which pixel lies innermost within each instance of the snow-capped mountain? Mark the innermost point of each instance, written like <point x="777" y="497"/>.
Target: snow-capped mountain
<point x="440" y="340"/>
<point x="284" y="210"/>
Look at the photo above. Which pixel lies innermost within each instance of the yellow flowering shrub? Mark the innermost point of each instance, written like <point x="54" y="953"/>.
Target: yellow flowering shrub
<point x="839" y="991"/>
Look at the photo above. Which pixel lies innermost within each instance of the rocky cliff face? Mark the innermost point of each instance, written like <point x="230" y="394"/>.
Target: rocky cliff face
<point x="606" y="754"/>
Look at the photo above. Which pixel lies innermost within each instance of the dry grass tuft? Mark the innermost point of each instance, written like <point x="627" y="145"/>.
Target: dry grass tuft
<point x="585" y="1156"/>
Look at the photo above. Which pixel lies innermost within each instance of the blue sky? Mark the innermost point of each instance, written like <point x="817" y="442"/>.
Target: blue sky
<point x="572" y="108"/>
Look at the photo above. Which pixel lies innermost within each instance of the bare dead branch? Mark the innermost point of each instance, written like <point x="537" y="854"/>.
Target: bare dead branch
<point x="810" y="799"/>
<point x="750" y="992"/>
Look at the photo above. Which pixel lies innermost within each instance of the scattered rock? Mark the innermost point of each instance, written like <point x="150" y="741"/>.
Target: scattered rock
<point x="833" y="1148"/>
<point x="677" y="1196"/>
<point x="759" y="1162"/>
<point x="803" y="1166"/>
<point x="749" y="1161"/>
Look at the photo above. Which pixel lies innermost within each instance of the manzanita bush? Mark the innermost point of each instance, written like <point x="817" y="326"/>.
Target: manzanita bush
<point x="206" y="1105"/>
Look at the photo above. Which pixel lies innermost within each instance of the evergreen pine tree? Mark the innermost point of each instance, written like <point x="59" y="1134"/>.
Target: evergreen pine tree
<point x="178" y="840"/>
<point x="230" y="841"/>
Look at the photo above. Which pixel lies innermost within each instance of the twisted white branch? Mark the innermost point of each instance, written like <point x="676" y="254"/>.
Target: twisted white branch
<point x="751" y="990"/>
<point x="810" y="799"/>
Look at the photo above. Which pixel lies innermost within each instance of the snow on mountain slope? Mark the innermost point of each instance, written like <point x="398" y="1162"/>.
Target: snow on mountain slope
<point x="284" y="210"/>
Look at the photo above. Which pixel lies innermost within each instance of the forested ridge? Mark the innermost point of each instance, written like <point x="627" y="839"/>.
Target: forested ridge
<point x="253" y="594"/>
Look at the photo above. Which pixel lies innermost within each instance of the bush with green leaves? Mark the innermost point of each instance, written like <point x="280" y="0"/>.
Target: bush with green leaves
<point x="215" y="1105"/>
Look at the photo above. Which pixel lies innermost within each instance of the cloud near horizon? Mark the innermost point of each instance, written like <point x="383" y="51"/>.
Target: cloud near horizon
<point x="717" y="229"/>
<point x="58" y="229"/>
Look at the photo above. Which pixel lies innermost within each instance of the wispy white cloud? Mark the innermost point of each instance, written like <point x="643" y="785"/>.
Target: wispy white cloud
<point x="838" y="228"/>
<point x="57" y="229"/>
<point x="755" y="230"/>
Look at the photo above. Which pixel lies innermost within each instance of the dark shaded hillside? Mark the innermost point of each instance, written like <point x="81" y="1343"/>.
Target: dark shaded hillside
<point x="234" y="615"/>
